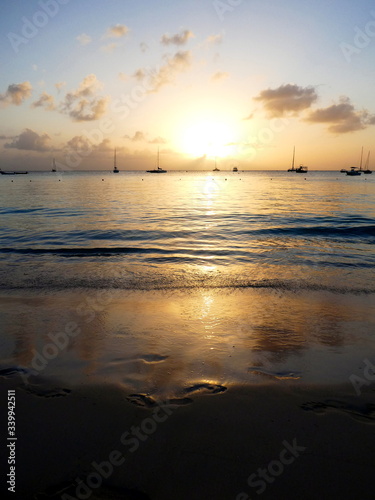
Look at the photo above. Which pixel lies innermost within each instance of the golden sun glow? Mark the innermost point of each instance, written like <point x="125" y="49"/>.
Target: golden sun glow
<point x="208" y="138"/>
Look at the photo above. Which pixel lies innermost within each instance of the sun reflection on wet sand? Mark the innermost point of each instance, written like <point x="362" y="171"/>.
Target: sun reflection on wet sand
<point x="160" y="342"/>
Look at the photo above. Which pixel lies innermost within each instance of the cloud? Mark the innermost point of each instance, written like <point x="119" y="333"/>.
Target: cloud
<point x="138" y="136"/>
<point x="287" y="99"/>
<point x="83" y="104"/>
<point x="178" y="39"/>
<point x="117" y="31"/>
<point x="214" y="39"/>
<point x="143" y="46"/>
<point x="16" y="93"/>
<point x="249" y="117"/>
<point x="59" y="85"/>
<point x="45" y="101"/>
<point x="220" y="75"/>
<point x="30" y="141"/>
<point x="158" y="140"/>
<point x="167" y="73"/>
<point x="342" y="117"/>
<point x="123" y="76"/>
<point x="109" y="48"/>
<point x="84" y="39"/>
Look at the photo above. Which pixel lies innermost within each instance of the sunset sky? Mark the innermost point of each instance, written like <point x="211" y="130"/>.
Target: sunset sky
<point x="243" y="81"/>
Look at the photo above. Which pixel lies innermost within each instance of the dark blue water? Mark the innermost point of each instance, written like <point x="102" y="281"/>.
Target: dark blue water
<point x="188" y="229"/>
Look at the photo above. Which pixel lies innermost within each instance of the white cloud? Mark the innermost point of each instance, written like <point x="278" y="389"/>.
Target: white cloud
<point x="30" y="141"/>
<point x="117" y="31"/>
<point x="16" y="93"/>
<point x="178" y="39"/>
<point x="45" y="101"/>
<point x="84" y="39"/>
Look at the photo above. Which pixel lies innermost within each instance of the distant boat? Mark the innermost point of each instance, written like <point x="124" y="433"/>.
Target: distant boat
<point x="343" y="170"/>
<point x="158" y="169"/>
<point x="2" y="172"/>
<point x="216" y="169"/>
<point x="353" y="171"/>
<point x="53" y="165"/>
<point x="301" y="169"/>
<point x="115" y="169"/>
<point x="235" y="169"/>
<point x="292" y="169"/>
<point x="366" y="169"/>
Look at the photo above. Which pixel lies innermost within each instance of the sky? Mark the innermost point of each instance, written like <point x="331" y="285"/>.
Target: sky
<point x="239" y="82"/>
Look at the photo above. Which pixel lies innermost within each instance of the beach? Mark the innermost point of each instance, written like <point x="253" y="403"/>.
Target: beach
<point x="205" y="336"/>
<point x="165" y="405"/>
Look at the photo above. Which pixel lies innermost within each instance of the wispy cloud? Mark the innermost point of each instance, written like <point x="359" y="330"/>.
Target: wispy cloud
<point x="167" y="73"/>
<point x="117" y="31"/>
<point x="220" y="75"/>
<point x="30" y="141"/>
<point x="342" y="117"/>
<point x="45" y="101"/>
<point x="109" y="48"/>
<point x="84" y="104"/>
<point x="143" y="46"/>
<point x="16" y="93"/>
<point x="138" y="136"/>
<point x="158" y="140"/>
<point x="84" y="39"/>
<point x="60" y="85"/>
<point x="177" y="39"/>
<point x="214" y="39"/>
<point x="287" y="99"/>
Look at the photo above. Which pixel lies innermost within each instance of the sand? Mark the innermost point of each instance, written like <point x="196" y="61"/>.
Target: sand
<point x="290" y="441"/>
<point x="173" y="395"/>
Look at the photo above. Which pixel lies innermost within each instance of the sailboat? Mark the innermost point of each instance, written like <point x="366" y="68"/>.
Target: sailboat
<point x="53" y="165"/>
<point x="355" y="170"/>
<point x="366" y="169"/>
<point x="292" y="169"/>
<point x="216" y="169"/>
<point x="158" y="169"/>
<point x="115" y="169"/>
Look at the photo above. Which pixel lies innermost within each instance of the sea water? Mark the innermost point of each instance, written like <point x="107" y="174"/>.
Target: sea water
<point x="215" y="276"/>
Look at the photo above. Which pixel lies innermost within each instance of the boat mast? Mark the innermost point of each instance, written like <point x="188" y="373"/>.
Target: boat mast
<point x="294" y="150"/>
<point x="367" y="161"/>
<point x="360" y="165"/>
<point x="114" y="161"/>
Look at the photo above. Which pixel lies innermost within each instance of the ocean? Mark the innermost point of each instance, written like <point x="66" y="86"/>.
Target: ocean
<point x="209" y="276"/>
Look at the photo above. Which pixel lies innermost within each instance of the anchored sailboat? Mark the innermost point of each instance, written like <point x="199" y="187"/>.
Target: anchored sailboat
<point x="115" y="169"/>
<point x="367" y="169"/>
<point x="158" y="169"/>
<point x="53" y="165"/>
<point x="292" y="169"/>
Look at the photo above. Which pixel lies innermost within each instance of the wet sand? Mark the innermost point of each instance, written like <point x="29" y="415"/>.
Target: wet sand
<point x="177" y="395"/>
<point x="208" y="444"/>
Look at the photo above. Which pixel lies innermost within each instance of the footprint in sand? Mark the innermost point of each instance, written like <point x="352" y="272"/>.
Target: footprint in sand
<point x="210" y="388"/>
<point x="275" y="375"/>
<point x="45" y="392"/>
<point x="365" y="413"/>
<point x="150" y="402"/>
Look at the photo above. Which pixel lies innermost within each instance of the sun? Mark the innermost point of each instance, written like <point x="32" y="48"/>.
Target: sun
<point x="207" y="138"/>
